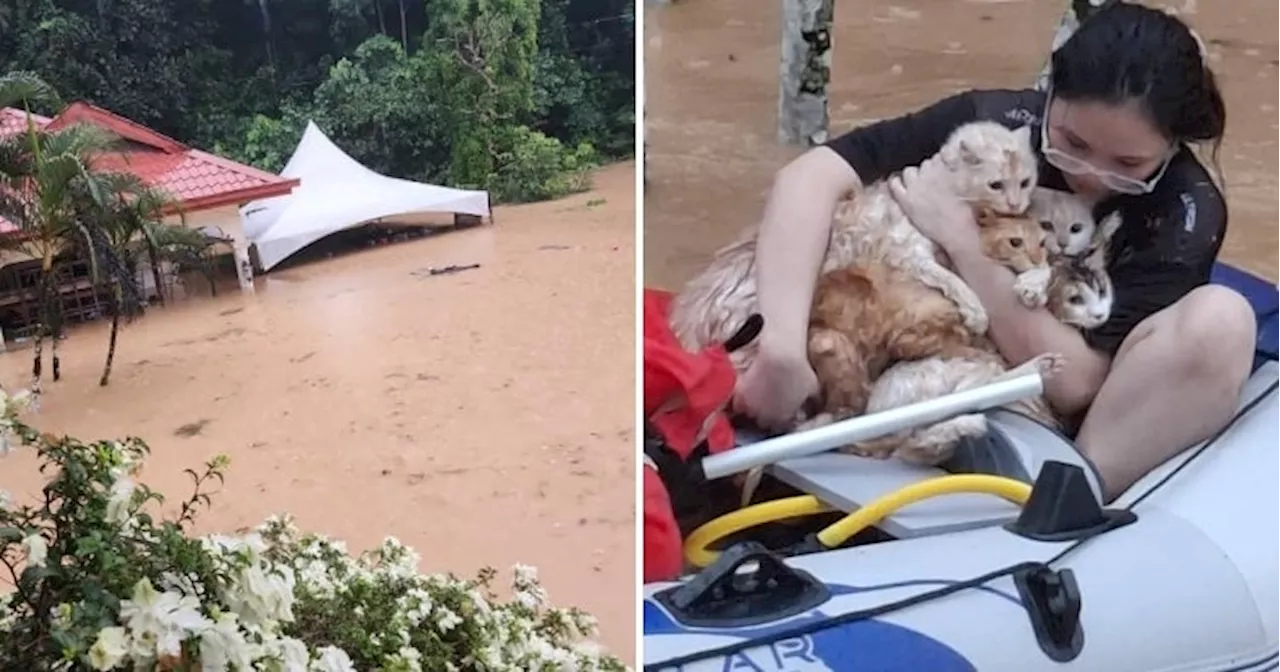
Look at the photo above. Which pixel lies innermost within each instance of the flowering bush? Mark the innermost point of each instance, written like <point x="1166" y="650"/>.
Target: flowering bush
<point x="99" y="583"/>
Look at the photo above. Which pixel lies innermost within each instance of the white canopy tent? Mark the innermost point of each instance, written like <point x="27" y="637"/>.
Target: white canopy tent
<point x="335" y="193"/>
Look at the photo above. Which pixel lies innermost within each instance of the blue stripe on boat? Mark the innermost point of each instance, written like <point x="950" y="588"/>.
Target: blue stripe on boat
<point x="1264" y="297"/>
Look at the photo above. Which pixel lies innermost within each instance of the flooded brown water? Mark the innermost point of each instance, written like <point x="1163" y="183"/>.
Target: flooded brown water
<point x="712" y="95"/>
<point x="484" y="417"/>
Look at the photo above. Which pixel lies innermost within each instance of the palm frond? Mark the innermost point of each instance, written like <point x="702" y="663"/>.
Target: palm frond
<point x="84" y="140"/>
<point x="121" y="183"/>
<point x="15" y="158"/>
<point x="26" y="90"/>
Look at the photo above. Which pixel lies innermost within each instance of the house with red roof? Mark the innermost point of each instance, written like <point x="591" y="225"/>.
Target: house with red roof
<point x="207" y="189"/>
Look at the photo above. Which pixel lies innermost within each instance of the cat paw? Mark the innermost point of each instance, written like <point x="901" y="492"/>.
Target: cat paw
<point x="823" y="343"/>
<point x="1032" y="287"/>
<point x="1049" y="364"/>
<point x="925" y="456"/>
<point x="819" y="420"/>
<point x="876" y="450"/>
<point x="749" y="486"/>
<point x="975" y="320"/>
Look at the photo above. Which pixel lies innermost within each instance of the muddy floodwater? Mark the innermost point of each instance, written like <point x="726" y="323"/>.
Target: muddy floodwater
<point x="483" y="417"/>
<point x="712" y="95"/>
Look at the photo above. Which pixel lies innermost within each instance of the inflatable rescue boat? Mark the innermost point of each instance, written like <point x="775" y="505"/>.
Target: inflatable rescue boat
<point x="1003" y="561"/>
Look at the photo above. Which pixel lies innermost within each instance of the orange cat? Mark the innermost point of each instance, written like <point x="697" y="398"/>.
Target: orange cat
<point x="867" y="317"/>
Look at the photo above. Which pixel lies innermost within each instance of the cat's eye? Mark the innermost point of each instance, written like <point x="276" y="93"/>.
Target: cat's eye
<point x="1046" y="225"/>
<point x="1026" y="182"/>
<point x="996" y="186"/>
<point x="1077" y="227"/>
<point x="1076" y="300"/>
<point x="1015" y="242"/>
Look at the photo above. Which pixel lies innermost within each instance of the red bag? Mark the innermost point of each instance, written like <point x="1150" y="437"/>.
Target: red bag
<point x="685" y="395"/>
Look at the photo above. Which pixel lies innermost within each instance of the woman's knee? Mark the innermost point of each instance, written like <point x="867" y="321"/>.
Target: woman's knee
<point x="1215" y="331"/>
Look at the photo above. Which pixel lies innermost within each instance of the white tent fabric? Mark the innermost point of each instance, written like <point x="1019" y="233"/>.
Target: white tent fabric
<point x="335" y="192"/>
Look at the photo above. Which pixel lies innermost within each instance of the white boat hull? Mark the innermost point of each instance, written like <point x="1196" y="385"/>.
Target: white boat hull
<point x="1192" y="586"/>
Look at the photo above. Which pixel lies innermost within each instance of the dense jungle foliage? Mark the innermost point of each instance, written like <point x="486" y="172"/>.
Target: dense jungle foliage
<point x="515" y="96"/>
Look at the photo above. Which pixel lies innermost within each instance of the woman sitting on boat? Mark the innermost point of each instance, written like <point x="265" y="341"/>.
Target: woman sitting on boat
<point x="1129" y="92"/>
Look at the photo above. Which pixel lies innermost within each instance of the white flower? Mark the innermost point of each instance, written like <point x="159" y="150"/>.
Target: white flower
<point x="291" y="654"/>
<point x="446" y="620"/>
<point x="109" y="649"/>
<point x="249" y="546"/>
<point x="186" y="584"/>
<point x="37" y="550"/>
<point x="160" y="622"/>
<point x="332" y="659"/>
<point x="527" y="590"/>
<point x="405" y="660"/>
<point x="261" y="594"/>
<point x="21" y="400"/>
<point x="223" y="646"/>
<point x="120" y="499"/>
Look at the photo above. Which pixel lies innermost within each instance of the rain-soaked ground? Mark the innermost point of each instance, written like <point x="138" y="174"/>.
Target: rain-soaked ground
<point x="483" y="417"/>
<point x="712" y="94"/>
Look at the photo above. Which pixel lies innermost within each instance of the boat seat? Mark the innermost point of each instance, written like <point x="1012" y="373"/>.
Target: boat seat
<point x="1015" y="446"/>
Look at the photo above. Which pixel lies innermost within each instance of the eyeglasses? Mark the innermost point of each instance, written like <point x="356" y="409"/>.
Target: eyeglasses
<point x="1077" y="166"/>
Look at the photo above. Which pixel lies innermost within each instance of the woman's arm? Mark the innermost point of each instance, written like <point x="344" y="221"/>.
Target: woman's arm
<point x="796" y="225"/>
<point x="792" y="242"/>
<point x="1022" y="333"/>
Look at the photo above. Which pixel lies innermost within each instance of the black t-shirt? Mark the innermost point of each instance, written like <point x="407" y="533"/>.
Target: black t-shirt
<point x="1165" y="247"/>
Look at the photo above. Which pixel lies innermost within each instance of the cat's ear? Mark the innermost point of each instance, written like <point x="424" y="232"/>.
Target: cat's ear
<point x="1107" y="228"/>
<point x="1023" y="135"/>
<point x="984" y="215"/>
<point x="967" y="154"/>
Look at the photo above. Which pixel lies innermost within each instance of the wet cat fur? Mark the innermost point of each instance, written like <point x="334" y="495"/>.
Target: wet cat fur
<point x="1080" y="295"/>
<point x="865" y="318"/>
<point x="989" y="166"/>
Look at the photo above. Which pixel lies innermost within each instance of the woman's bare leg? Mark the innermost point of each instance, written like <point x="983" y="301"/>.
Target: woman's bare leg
<point x="1175" y="380"/>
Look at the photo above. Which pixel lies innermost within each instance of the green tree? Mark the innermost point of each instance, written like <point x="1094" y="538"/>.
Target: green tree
<point x="48" y="189"/>
<point x="132" y="223"/>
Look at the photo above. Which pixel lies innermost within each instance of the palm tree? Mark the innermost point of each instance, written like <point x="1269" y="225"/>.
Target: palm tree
<point x="48" y="190"/>
<point x="186" y="249"/>
<point x="129" y="225"/>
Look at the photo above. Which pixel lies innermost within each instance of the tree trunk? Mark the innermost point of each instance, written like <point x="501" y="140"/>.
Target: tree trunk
<point x="111" y="343"/>
<point x="804" y="72"/>
<point x="55" y="331"/>
<point x="38" y="363"/>
<point x="42" y="322"/>
<point x="382" y="21"/>
<point x="154" y="260"/>
<point x="404" y="30"/>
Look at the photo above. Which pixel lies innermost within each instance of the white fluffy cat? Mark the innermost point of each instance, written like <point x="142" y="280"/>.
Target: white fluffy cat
<point x="1067" y="218"/>
<point x="986" y="164"/>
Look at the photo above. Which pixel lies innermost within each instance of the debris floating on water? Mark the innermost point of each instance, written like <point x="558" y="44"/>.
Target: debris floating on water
<point x="442" y="270"/>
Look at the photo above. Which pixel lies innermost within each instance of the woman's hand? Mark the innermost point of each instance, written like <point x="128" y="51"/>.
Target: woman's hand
<point x="774" y="387"/>
<point x="937" y="213"/>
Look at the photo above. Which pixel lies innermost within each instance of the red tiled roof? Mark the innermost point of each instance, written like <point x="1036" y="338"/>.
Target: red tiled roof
<point x="14" y="121"/>
<point x="196" y="180"/>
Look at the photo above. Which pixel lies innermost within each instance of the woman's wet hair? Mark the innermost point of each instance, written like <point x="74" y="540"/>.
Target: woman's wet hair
<point x="1127" y="52"/>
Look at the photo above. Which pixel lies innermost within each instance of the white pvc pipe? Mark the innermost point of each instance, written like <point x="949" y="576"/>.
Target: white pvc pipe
<point x="875" y="425"/>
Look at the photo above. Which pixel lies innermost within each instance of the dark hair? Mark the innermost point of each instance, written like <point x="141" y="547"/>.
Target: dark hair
<point x="1126" y="52"/>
